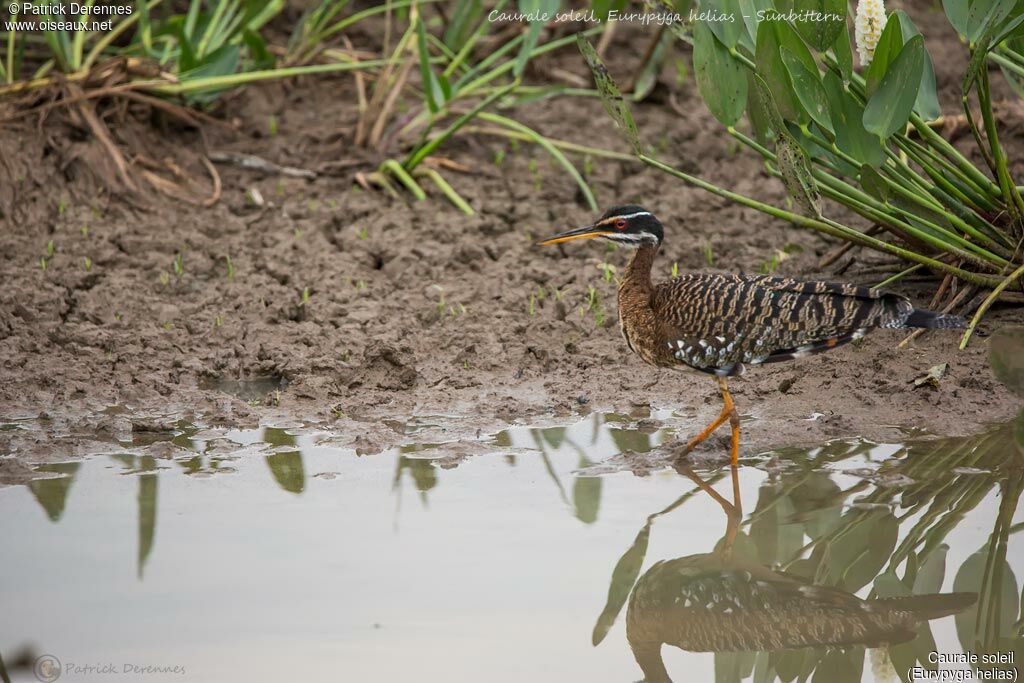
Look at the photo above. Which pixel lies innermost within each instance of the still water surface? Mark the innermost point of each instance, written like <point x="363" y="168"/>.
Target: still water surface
<point x="267" y="555"/>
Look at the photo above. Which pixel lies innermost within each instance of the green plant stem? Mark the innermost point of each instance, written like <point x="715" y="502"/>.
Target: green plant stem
<point x="447" y="190"/>
<point x="233" y="80"/>
<point x="989" y="300"/>
<point x="1013" y="199"/>
<point x="110" y="36"/>
<point x="424" y="150"/>
<point x="465" y="50"/>
<point x="395" y="168"/>
<point x="824" y="225"/>
<point x="560" y="144"/>
<point x="340" y="26"/>
<point x="539" y="139"/>
<point x="876" y="211"/>
<point x="898" y="276"/>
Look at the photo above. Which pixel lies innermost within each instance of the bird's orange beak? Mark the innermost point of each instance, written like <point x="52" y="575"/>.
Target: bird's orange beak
<point x="583" y="233"/>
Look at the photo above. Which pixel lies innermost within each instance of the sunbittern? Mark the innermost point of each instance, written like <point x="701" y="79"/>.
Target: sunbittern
<point x="720" y="323"/>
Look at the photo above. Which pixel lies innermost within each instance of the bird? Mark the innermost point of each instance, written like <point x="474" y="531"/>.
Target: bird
<point x="721" y="323"/>
<point x="716" y="602"/>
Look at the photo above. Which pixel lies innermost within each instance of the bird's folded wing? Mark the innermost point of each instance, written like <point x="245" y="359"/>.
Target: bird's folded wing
<point x="718" y="322"/>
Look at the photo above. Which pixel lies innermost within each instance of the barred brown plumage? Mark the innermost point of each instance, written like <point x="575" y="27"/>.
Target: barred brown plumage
<point x="721" y="323"/>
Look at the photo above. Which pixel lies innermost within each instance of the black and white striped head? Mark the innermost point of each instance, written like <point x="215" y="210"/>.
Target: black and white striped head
<point x="631" y="225"/>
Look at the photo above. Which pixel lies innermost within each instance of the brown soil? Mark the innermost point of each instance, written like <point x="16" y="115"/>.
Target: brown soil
<point x="125" y="346"/>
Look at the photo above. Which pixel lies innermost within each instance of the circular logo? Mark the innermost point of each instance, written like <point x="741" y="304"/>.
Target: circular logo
<point x="47" y="668"/>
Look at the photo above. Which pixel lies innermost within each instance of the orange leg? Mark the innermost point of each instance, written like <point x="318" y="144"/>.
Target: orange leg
<point x="728" y="413"/>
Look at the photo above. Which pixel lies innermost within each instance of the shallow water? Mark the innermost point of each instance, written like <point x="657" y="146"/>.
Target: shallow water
<point x="273" y="555"/>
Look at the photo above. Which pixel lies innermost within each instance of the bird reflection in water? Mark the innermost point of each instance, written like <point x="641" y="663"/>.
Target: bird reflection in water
<point x="722" y="602"/>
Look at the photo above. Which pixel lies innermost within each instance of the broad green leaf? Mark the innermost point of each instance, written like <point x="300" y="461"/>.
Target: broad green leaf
<point x="768" y="107"/>
<point x="986" y="15"/>
<point x="820" y="30"/>
<point x="890" y="106"/>
<point x="288" y="470"/>
<point x="752" y="12"/>
<point x="890" y="44"/>
<point x="927" y="103"/>
<point x="847" y="121"/>
<point x="773" y="71"/>
<point x="956" y="12"/>
<point x="52" y="493"/>
<point x="998" y="582"/>
<point x="1006" y="357"/>
<point x="796" y="175"/>
<point x="624" y="576"/>
<point x="808" y="88"/>
<point x="611" y="96"/>
<point x="586" y="495"/>
<point x="932" y="572"/>
<point x="872" y="182"/>
<point x="844" y="54"/>
<point x="721" y="78"/>
<point x="760" y="123"/>
<point x="258" y="52"/>
<point x="725" y="20"/>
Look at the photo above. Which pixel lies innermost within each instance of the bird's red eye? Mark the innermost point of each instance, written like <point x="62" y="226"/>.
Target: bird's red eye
<point x="621" y="224"/>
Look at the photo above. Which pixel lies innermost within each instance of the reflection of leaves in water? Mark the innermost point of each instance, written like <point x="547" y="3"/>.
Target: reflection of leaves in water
<point x="862" y="549"/>
<point x="774" y="533"/>
<point x="1006" y="356"/>
<point x="423" y="473"/>
<point x="288" y="470"/>
<point x="625" y="574"/>
<point x="733" y="667"/>
<point x="554" y="436"/>
<point x="631" y="440"/>
<point x="52" y="494"/>
<point x="972" y="624"/>
<point x="147" y="510"/>
<point x="905" y="655"/>
<point x="586" y="495"/>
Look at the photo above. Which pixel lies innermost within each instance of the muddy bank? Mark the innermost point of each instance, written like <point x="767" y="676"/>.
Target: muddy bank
<point x="364" y="311"/>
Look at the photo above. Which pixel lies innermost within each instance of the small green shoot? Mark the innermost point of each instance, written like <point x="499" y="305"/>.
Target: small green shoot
<point x="165" y="278"/>
<point x="499" y="157"/>
<point x="179" y="264"/>
<point x="272" y="126"/>
<point x="62" y="206"/>
<point x="50" y="249"/>
<point x="88" y="263"/>
<point x="675" y="269"/>
<point x="705" y="249"/>
<point x="305" y="296"/>
<point x="85" y="231"/>
<point x="218" y="321"/>
<point x="42" y="263"/>
<point x="533" y="305"/>
<point x="608" y="271"/>
<point x="231" y="267"/>
<point x="362" y="233"/>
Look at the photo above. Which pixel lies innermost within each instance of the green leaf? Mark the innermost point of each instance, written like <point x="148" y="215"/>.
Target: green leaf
<point x="721" y="78"/>
<point x="847" y="121"/>
<point x="611" y="96"/>
<point x="873" y="183"/>
<point x="808" y="88"/>
<point x="844" y="54"/>
<point x="288" y="470"/>
<point x="431" y="86"/>
<point x="986" y="15"/>
<point x="821" y="32"/>
<point x="932" y="572"/>
<point x="258" y="52"/>
<point x="772" y="36"/>
<point x="796" y="175"/>
<point x="728" y="25"/>
<point x="648" y="77"/>
<point x="890" y="107"/>
<point x="540" y="9"/>
<point x="890" y="44"/>
<point x="768" y="107"/>
<point x="927" y="103"/>
<point x="956" y="12"/>
<point x="624" y="576"/>
<point x="586" y="495"/>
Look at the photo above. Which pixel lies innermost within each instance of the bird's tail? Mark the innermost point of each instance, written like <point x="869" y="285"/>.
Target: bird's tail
<point x="934" y="321"/>
<point x="932" y="606"/>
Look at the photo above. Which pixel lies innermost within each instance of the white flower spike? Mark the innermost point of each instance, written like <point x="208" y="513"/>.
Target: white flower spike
<point x="868" y="27"/>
